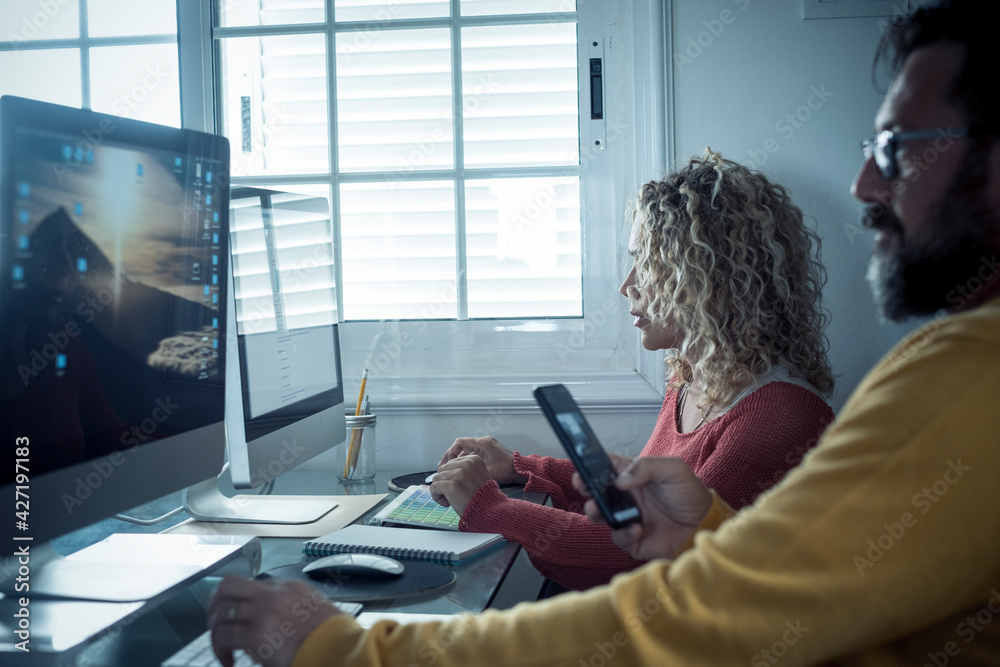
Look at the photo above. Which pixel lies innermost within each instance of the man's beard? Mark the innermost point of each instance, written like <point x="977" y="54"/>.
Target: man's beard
<point x="915" y="277"/>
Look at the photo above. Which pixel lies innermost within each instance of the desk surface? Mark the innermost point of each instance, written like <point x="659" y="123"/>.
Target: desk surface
<point x="156" y="634"/>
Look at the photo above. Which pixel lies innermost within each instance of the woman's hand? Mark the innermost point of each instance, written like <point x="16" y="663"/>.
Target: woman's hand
<point x="498" y="459"/>
<point x="458" y="480"/>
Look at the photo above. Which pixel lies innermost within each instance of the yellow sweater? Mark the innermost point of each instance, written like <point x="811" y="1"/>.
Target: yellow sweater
<point x="882" y="548"/>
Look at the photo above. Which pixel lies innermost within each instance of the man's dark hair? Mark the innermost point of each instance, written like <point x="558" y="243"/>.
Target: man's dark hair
<point x="968" y="23"/>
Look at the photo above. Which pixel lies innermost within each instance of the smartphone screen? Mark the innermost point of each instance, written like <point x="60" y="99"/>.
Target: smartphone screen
<point x="587" y="454"/>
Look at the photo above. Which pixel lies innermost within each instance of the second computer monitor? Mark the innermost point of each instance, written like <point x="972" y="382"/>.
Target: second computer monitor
<point x="285" y="396"/>
<point x="284" y="391"/>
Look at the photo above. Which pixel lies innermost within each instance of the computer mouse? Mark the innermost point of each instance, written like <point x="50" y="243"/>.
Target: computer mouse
<point x="368" y="566"/>
<point x="430" y="477"/>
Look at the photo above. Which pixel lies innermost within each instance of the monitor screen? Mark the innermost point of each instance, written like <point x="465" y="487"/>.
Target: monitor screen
<point x="113" y="266"/>
<point x="286" y="397"/>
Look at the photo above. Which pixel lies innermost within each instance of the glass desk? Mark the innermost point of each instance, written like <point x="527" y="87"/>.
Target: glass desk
<point x="152" y="635"/>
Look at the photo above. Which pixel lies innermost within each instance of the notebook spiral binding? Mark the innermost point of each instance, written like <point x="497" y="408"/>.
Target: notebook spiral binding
<point x="428" y="555"/>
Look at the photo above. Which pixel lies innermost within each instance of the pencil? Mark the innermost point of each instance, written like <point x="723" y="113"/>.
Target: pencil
<point x="360" y="433"/>
<point x="352" y="457"/>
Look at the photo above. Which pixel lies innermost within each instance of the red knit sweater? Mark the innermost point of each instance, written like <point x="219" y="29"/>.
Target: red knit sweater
<point x="739" y="454"/>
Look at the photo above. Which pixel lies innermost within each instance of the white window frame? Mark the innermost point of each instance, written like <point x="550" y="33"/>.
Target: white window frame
<point x="83" y="43"/>
<point x="459" y="366"/>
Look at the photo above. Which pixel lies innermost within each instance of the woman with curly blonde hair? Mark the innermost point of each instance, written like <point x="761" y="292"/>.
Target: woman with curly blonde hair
<point x="726" y="277"/>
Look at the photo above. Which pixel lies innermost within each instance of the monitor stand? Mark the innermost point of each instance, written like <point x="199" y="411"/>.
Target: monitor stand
<point x="205" y="502"/>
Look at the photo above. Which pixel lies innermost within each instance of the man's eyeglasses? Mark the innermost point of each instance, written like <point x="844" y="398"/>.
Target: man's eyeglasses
<point x="885" y="144"/>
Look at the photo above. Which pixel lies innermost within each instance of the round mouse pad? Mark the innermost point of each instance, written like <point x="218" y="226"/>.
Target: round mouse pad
<point x="419" y="577"/>
<point x="403" y="482"/>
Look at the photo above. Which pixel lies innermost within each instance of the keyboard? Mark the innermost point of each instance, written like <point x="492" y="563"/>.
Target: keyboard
<point x="415" y="507"/>
<point x="198" y="653"/>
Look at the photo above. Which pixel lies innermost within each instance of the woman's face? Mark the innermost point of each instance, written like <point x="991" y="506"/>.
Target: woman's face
<point x="652" y="336"/>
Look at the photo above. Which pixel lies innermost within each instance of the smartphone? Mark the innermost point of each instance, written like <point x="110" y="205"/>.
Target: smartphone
<point x="586" y="453"/>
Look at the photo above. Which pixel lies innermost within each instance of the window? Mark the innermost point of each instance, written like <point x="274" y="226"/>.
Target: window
<point x="450" y="145"/>
<point x="97" y="54"/>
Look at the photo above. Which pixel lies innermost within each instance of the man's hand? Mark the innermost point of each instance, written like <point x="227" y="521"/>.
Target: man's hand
<point x="269" y="619"/>
<point x="458" y="480"/>
<point x="499" y="460"/>
<point x="671" y="499"/>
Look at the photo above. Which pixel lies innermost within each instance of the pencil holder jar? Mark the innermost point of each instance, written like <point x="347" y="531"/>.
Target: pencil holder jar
<point x="356" y="457"/>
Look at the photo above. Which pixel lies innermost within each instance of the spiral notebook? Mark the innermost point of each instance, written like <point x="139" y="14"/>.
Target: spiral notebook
<point x="437" y="546"/>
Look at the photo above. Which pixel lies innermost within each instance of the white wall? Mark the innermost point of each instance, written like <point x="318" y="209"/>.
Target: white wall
<point x="739" y="68"/>
<point x="414" y="442"/>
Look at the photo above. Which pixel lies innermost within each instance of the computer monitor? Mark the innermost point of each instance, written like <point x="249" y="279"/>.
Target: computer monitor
<point x="285" y="394"/>
<point x="113" y="266"/>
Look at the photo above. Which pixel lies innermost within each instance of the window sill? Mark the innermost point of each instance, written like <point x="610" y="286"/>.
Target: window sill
<point x="457" y="394"/>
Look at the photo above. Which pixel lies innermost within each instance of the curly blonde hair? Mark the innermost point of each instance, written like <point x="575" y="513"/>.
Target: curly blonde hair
<point x="733" y="267"/>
